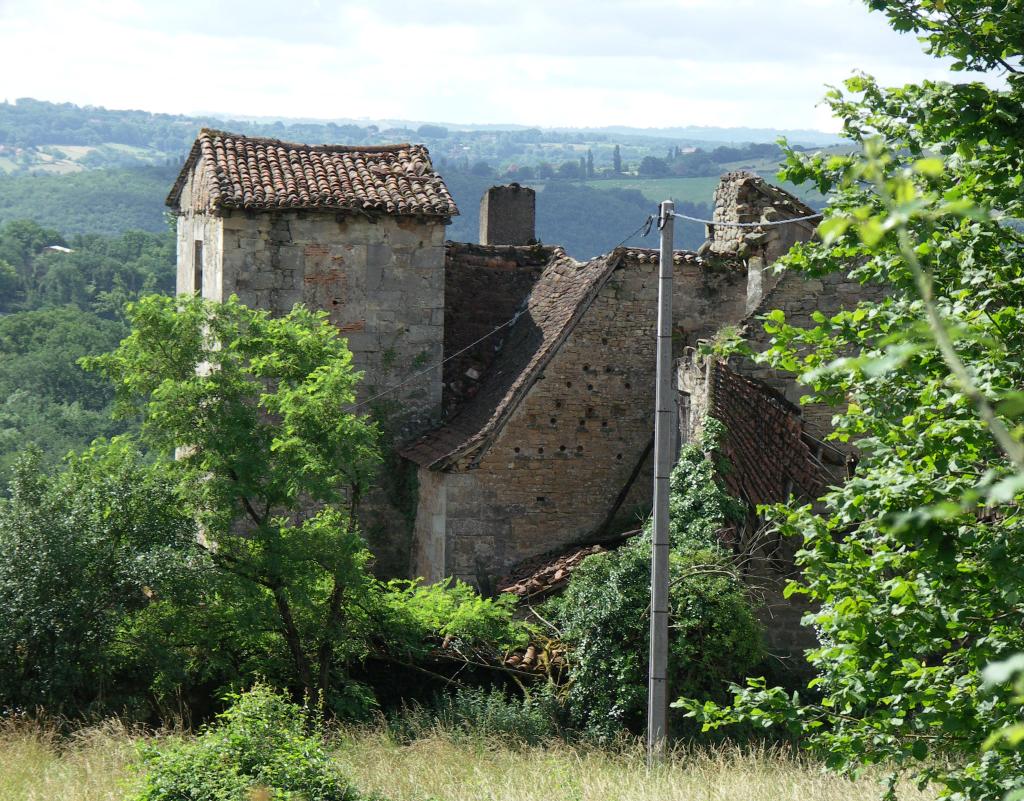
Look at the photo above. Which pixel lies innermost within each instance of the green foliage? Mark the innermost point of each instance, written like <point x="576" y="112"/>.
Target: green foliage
<point x="88" y="553"/>
<point x="272" y="466"/>
<point x="603" y="616"/>
<point x="476" y="713"/>
<point x="916" y="564"/>
<point x="93" y="202"/>
<point x="261" y="747"/>
<point x="454" y="609"/>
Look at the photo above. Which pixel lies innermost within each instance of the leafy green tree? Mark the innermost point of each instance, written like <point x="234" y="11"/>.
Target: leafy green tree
<point x="85" y="553"/>
<point x="917" y="563"/>
<point x="269" y="461"/>
<point x="46" y="399"/>
<point x="617" y="160"/>
<point x="272" y="460"/>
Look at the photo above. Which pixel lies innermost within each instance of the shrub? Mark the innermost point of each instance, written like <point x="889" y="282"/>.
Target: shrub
<point x="477" y="712"/>
<point x="714" y="636"/>
<point x="259" y="748"/>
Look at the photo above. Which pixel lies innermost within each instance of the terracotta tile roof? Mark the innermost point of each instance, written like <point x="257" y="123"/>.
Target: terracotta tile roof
<point x="552" y="308"/>
<point x="769" y="452"/>
<point x="545" y="574"/>
<point x="252" y="173"/>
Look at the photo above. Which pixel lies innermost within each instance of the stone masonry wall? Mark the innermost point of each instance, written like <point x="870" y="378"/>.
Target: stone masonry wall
<point x="742" y="197"/>
<point x="381" y="281"/>
<point x="573" y="444"/>
<point x="195" y="227"/>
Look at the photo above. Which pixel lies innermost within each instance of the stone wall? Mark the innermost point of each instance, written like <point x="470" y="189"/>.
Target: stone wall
<point x="577" y="446"/>
<point x="484" y="287"/>
<point x="194" y="228"/>
<point x="742" y="197"/>
<point x="381" y="281"/>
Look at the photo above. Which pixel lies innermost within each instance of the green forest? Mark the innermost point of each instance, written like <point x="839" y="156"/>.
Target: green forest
<point x="189" y="610"/>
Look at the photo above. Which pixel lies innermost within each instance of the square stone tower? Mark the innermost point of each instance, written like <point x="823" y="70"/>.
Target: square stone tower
<point x="508" y="215"/>
<point x="357" y="232"/>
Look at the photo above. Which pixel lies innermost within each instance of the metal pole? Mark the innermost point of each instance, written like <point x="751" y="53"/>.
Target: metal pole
<point x="665" y="418"/>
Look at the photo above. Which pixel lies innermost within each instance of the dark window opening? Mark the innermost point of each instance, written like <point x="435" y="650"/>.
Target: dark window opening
<point x="197" y="267"/>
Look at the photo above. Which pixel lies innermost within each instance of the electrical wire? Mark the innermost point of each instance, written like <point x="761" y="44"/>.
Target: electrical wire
<point x="646" y="224"/>
<point x="441" y="363"/>
<point x="748" y="224"/>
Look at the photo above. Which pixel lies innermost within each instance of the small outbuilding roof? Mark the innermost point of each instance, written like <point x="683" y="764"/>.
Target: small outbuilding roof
<point x="253" y="173"/>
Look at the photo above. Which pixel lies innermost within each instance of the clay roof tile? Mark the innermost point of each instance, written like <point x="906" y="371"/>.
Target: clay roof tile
<point x="253" y="173"/>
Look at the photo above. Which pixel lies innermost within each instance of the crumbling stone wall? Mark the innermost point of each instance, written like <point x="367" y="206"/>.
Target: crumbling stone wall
<point x="742" y="197"/>
<point x="578" y="443"/>
<point x="484" y="287"/>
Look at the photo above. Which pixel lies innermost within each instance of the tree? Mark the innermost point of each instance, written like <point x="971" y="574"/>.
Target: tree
<point x="86" y="553"/>
<point x="590" y="163"/>
<point x="617" y="160"/>
<point x="917" y="562"/>
<point x="271" y="462"/>
<point x="653" y="167"/>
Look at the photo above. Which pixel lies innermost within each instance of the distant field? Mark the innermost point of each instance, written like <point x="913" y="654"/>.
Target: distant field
<point x="702" y="190"/>
<point x="693" y="190"/>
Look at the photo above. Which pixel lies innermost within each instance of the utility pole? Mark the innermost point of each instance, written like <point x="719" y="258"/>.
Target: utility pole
<point x="664" y="420"/>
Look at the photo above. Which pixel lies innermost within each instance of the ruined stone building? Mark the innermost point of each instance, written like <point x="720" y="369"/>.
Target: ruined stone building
<point x="536" y="432"/>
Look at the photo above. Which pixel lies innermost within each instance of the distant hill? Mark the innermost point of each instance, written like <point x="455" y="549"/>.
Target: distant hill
<point x="87" y="170"/>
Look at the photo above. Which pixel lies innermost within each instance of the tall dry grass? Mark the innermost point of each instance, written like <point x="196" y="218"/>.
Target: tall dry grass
<point x="37" y="764"/>
<point x="464" y="769"/>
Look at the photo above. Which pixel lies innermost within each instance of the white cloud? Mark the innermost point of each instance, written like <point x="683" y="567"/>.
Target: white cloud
<point x="535" y="62"/>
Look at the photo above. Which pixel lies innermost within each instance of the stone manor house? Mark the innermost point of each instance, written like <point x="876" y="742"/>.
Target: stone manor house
<point x="536" y="433"/>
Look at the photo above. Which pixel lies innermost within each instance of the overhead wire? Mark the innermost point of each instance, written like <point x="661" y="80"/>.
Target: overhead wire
<point x="646" y="224"/>
<point x="765" y="224"/>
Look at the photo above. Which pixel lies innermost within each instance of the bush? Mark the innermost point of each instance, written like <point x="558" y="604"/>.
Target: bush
<point x="259" y="749"/>
<point x="482" y="713"/>
<point x="714" y="636"/>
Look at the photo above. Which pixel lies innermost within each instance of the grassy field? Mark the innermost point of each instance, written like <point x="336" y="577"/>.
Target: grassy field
<point x="693" y="190"/>
<point x="94" y="765"/>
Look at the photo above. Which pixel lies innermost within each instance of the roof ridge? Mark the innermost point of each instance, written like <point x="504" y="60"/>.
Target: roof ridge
<point x="327" y="148"/>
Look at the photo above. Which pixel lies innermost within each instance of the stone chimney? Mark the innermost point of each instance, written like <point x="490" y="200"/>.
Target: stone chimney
<point x="507" y="215"/>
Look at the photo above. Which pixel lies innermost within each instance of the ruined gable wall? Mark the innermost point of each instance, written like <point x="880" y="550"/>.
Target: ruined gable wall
<point x="484" y="288"/>
<point x="582" y="432"/>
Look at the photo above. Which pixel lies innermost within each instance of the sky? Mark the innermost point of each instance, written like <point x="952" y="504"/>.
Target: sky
<point x="551" y="63"/>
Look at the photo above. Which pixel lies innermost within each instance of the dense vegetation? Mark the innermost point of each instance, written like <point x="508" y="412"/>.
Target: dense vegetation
<point x="55" y="307"/>
<point x="917" y="563"/>
<point x="603" y="616"/>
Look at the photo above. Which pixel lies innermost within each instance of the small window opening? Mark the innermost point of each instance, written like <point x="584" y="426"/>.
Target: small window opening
<point x="197" y="267"/>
